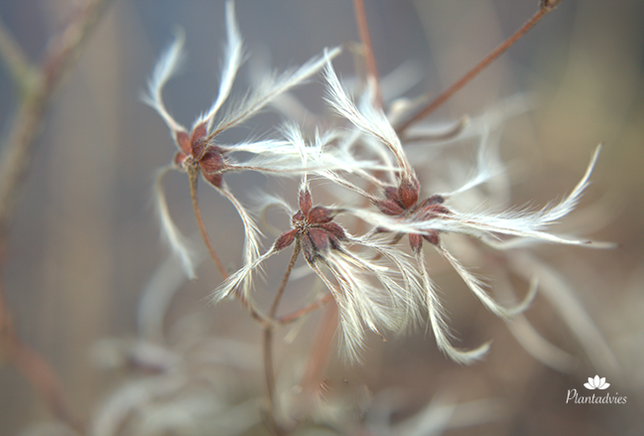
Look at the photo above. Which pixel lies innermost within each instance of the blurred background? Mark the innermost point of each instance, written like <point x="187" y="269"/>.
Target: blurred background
<point x="85" y="240"/>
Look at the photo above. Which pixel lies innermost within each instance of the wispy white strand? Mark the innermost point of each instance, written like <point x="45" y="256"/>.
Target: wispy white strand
<point x="293" y="155"/>
<point x="232" y="61"/>
<point x="156" y="297"/>
<point x="241" y="278"/>
<point x="516" y="243"/>
<point x="475" y="285"/>
<point x="486" y="168"/>
<point x="540" y="348"/>
<point x="520" y="225"/>
<point x="528" y="224"/>
<point x="439" y="325"/>
<point x="354" y="289"/>
<point x="272" y="146"/>
<point x="490" y="120"/>
<point x="576" y="317"/>
<point x="409" y="292"/>
<point x="384" y="155"/>
<point x="251" y="240"/>
<point x="386" y="303"/>
<point x="564" y="207"/>
<point x="166" y="67"/>
<point x="296" y="138"/>
<point x="268" y="90"/>
<point x="370" y="295"/>
<point x="178" y="243"/>
<point x="266" y="200"/>
<point x="368" y="119"/>
<point x="511" y="223"/>
<point x="336" y="178"/>
<point x="352" y="338"/>
<point x="251" y="231"/>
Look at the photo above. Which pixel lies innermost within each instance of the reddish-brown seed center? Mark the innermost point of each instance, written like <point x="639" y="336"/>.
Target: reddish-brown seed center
<point x="403" y="202"/>
<point x="314" y="228"/>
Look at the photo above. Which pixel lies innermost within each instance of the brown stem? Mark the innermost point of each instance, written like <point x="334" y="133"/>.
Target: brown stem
<point x="253" y="313"/>
<point x="269" y="377"/>
<point x="294" y="316"/>
<point x="544" y="7"/>
<point x="365" y="38"/>
<point x="269" y="373"/>
<point x="193" y="175"/>
<point x="287" y="274"/>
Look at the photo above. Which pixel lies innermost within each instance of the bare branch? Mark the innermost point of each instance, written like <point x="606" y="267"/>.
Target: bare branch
<point x="367" y="47"/>
<point x="545" y="7"/>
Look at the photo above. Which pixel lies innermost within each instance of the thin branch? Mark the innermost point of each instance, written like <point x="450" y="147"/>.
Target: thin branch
<point x="17" y="152"/>
<point x="544" y="8"/>
<point x="294" y="316"/>
<point x="367" y="47"/>
<point x="193" y="175"/>
<point x="287" y="274"/>
<point x="269" y="372"/>
<point x="253" y="313"/>
<point x="269" y="376"/>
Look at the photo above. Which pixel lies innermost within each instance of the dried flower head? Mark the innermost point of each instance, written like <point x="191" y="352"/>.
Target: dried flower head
<point x="373" y="285"/>
<point x="200" y="153"/>
<point x="401" y="212"/>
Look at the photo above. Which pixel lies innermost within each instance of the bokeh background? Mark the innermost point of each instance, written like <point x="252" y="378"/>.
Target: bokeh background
<point x="85" y="240"/>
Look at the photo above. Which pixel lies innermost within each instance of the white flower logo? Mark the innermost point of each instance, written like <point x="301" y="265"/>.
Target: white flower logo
<point x="596" y="383"/>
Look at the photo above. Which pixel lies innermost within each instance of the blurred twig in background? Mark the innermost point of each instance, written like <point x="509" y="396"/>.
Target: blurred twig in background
<point x="37" y="84"/>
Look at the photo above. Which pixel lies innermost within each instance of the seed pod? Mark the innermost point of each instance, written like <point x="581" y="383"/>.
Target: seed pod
<point x="183" y="140"/>
<point x="335" y="230"/>
<point x="408" y="192"/>
<point x="392" y="194"/>
<point x="320" y="215"/>
<point x="214" y="179"/>
<point x="319" y="239"/>
<point x="432" y="237"/>
<point x="179" y="159"/>
<point x="390" y="207"/>
<point x="298" y="217"/>
<point x="434" y="199"/>
<point x="285" y="240"/>
<point x="212" y="164"/>
<point x="305" y="201"/>
<point x="416" y="242"/>
<point x="197" y="141"/>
